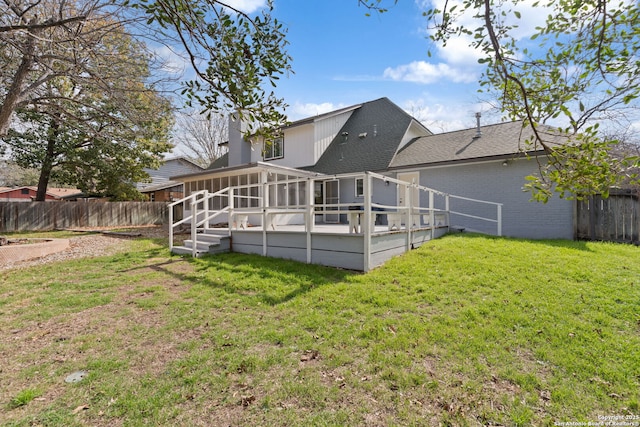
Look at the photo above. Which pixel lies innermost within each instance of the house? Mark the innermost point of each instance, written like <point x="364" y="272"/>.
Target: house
<point x="162" y="188"/>
<point x="376" y="170"/>
<point x="28" y="194"/>
<point x="363" y="137"/>
<point x="486" y="162"/>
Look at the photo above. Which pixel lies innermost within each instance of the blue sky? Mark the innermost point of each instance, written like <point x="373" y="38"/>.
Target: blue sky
<point x="342" y="57"/>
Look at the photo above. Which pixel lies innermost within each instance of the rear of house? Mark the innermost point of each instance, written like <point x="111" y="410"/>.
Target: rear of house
<point x="379" y="173"/>
<point x="487" y="163"/>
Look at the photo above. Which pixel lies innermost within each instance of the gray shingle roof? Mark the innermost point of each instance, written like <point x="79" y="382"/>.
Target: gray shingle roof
<point x="384" y="124"/>
<point x="498" y="140"/>
<point x="220" y="162"/>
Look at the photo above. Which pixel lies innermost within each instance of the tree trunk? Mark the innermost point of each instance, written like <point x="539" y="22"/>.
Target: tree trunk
<point x="47" y="163"/>
<point x="15" y="90"/>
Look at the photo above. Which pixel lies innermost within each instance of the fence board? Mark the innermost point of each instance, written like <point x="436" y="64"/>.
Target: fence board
<point x="44" y="216"/>
<point x="614" y="219"/>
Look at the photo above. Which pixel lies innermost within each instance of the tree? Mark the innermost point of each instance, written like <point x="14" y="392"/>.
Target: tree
<point x="233" y="55"/>
<point x="578" y="70"/>
<point x="97" y="140"/>
<point x="12" y="175"/>
<point x="47" y="49"/>
<point x="203" y="136"/>
<point x="30" y="32"/>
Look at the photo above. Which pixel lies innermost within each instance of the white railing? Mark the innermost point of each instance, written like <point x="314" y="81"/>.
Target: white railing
<point x="273" y="197"/>
<point x="197" y="217"/>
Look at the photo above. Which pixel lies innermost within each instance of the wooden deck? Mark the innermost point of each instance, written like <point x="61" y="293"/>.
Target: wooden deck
<point x="280" y="216"/>
<point x="328" y="244"/>
<point x="331" y="245"/>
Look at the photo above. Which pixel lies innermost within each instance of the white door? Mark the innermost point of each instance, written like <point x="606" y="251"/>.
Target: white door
<point x="413" y="178"/>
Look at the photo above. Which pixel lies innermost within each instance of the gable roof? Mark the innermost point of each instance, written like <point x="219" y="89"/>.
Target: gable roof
<point x="496" y="141"/>
<point x="220" y="162"/>
<point x="368" y="140"/>
<point x="167" y="169"/>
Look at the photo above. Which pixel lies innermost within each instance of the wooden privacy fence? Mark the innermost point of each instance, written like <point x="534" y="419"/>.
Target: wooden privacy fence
<point x="614" y="219"/>
<point x="43" y="216"/>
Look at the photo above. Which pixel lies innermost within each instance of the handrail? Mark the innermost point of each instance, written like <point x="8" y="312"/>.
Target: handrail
<point x="193" y="219"/>
<point x="254" y="198"/>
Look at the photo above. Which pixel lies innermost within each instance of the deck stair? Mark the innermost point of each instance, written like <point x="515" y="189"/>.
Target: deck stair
<point x="210" y="241"/>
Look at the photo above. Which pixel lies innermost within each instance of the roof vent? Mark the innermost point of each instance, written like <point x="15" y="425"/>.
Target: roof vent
<point x="478" y="131"/>
<point x="362" y="135"/>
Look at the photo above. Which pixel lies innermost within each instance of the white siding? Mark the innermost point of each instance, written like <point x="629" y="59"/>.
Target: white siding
<point x="325" y="131"/>
<point x="305" y="144"/>
<point x="298" y="143"/>
<point x="414" y="131"/>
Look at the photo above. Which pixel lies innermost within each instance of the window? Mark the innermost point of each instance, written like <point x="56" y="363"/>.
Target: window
<point x="359" y="187"/>
<point x="24" y="191"/>
<point x="274" y="148"/>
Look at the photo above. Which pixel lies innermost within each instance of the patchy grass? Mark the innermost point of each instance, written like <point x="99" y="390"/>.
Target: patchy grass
<point x="23" y="398"/>
<point x="466" y="330"/>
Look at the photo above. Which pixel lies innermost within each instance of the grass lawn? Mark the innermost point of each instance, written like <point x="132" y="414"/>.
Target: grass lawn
<point x="467" y="330"/>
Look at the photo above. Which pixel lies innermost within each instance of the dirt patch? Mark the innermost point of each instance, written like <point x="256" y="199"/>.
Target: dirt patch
<point x="105" y="241"/>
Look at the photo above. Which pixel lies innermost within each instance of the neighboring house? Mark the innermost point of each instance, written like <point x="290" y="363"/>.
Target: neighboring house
<point x="28" y="194"/>
<point x="487" y="163"/>
<point x="162" y="188"/>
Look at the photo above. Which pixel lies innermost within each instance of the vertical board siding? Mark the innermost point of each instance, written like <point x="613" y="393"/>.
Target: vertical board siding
<point x="45" y="216"/>
<point x="614" y="219"/>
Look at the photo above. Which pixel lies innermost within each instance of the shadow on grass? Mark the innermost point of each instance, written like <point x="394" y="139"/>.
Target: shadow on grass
<point x="162" y="266"/>
<point x="272" y="281"/>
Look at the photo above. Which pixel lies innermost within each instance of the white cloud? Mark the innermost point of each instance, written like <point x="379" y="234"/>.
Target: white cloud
<point x="459" y="52"/>
<point x="426" y="73"/>
<point x="170" y="60"/>
<point x="439" y="117"/>
<point x="247" y="6"/>
<point x="459" y="49"/>
<point x="300" y="111"/>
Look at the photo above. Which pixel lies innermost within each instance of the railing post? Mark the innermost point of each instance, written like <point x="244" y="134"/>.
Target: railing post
<point x="447" y="208"/>
<point x="432" y="213"/>
<point x="194" y="220"/>
<point x="366" y="223"/>
<point x="410" y="207"/>
<point x="499" y="220"/>
<point x="310" y="217"/>
<point x="265" y="214"/>
<point x="231" y="205"/>
<point x="206" y="209"/>
<point x="170" y="227"/>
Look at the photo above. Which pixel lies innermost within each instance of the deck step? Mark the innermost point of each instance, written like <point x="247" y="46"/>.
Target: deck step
<point x="205" y="244"/>
<point x="183" y="250"/>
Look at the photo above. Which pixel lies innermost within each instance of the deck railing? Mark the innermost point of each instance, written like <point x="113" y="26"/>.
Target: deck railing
<point x="416" y="206"/>
<point x="195" y="216"/>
